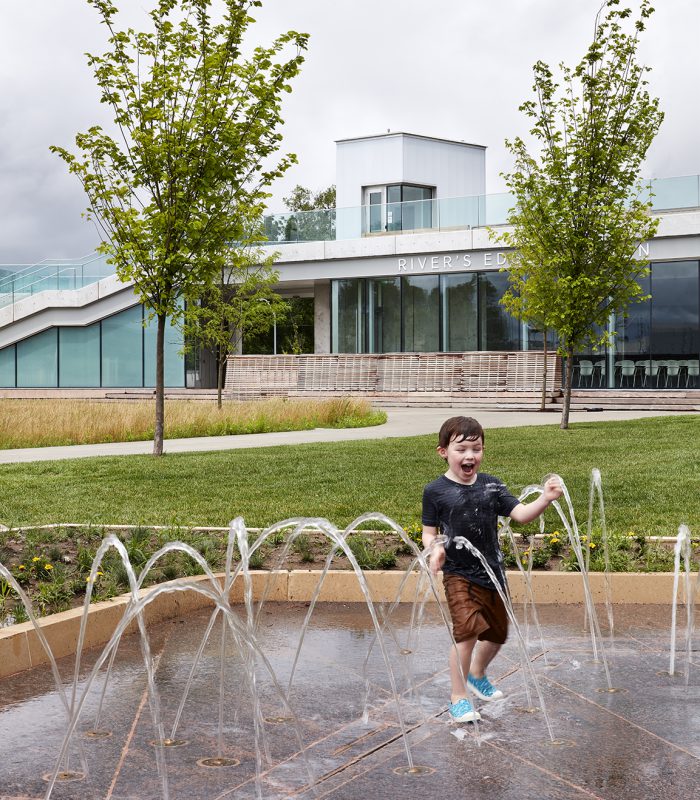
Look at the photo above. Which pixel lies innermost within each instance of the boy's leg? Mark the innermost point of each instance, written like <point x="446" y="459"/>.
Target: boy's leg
<point x="465" y="657"/>
<point x="460" y="659"/>
<point x="478" y="614"/>
<point x="484" y="655"/>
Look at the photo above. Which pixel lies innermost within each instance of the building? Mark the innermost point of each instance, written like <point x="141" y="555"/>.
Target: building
<point x="404" y="264"/>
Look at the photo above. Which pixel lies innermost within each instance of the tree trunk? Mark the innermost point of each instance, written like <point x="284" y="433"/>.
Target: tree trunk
<point x="543" y="398"/>
<point x="160" y="387"/>
<point x="564" y="424"/>
<point x="220" y="377"/>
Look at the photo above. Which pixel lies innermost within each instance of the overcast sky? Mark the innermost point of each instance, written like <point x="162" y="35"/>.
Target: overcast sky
<point x="455" y="69"/>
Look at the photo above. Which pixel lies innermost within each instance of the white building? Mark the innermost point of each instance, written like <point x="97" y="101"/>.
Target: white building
<point x="405" y="263"/>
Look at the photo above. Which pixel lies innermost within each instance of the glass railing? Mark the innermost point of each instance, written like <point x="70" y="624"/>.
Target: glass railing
<point x="671" y="194"/>
<point x="412" y="216"/>
<point x="19" y="282"/>
<point x="442" y="214"/>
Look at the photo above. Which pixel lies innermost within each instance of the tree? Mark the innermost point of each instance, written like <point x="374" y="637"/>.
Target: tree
<point x="196" y="135"/>
<point x="242" y="301"/>
<point x="303" y="199"/>
<point x="314" y="214"/>
<point x="580" y="212"/>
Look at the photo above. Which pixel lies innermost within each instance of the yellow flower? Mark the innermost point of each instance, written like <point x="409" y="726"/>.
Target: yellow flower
<point x="631" y="534"/>
<point x="48" y="566"/>
<point x="556" y="533"/>
<point x="592" y="545"/>
<point x="21" y="566"/>
<point x="35" y="559"/>
<point x="99" y="573"/>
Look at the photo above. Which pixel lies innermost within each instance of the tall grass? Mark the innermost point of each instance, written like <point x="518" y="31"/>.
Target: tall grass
<point x="41" y="423"/>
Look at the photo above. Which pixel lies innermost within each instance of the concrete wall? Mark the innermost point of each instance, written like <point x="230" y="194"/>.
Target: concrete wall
<point x="366" y="162"/>
<point x="21" y="649"/>
<point x="322" y="317"/>
<point x="455" y="169"/>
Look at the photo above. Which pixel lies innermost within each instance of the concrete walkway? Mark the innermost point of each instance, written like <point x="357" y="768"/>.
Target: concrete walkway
<point x="401" y="421"/>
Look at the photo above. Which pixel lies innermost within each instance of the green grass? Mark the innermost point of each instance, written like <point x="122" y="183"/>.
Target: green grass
<point x="650" y="471"/>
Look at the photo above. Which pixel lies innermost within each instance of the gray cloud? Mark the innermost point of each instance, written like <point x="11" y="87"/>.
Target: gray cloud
<point x="452" y="68"/>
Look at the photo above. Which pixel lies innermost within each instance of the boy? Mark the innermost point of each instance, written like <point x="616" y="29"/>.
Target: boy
<point x="465" y="502"/>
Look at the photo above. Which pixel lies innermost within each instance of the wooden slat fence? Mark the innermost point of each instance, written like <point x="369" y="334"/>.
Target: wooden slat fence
<point x="250" y="377"/>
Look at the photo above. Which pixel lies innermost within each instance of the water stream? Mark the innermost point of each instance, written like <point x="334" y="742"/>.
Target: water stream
<point x="238" y="631"/>
<point x="682" y="550"/>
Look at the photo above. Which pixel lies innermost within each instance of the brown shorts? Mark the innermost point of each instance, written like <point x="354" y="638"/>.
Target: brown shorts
<point x="476" y="612"/>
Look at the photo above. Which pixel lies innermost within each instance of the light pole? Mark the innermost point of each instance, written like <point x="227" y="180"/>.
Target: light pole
<point x="274" y="326"/>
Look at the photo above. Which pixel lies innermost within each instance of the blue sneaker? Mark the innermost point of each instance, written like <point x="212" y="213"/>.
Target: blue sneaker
<point x="463" y="711"/>
<point x="483" y="688"/>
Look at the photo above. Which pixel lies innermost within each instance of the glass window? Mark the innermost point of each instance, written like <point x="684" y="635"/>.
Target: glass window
<point x="7" y="367"/>
<point x="459" y="312"/>
<point x="634" y="331"/>
<point x="393" y="208"/>
<point x="347" y="316"/>
<point x="498" y="329"/>
<point x="37" y="360"/>
<point x="415" y="209"/>
<point x="421" y="314"/>
<point x="535" y="340"/>
<point x="385" y="315"/>
<point x="79" y="356"/>
<point x="675" y="326"/>
<point x="414" y="194"/>
<point x="375" y="211"/>
<point x="122" y="348"/>
<point x="174" y="368"/>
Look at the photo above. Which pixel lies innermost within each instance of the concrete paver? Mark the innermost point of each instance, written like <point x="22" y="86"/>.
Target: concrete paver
<point x="342" y="738"/>
<point x="401" y="421"/>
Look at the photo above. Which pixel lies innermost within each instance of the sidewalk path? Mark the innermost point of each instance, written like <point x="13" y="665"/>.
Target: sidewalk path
<point x="401" y="422"/>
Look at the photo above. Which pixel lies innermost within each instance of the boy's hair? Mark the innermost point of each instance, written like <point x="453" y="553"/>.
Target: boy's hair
<point x="459" y="428"/>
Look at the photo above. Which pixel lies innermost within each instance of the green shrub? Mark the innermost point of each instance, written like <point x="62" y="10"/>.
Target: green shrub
<point x="52" y="597"/>
<point x="257" y="559"/>
<point x="369" y="556"/>
<point x="302" y="547"/>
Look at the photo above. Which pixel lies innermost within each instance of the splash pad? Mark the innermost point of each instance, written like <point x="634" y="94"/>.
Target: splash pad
<point x="271" y="700"/>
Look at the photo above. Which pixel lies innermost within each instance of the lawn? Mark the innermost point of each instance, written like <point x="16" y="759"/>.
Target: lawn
<point x="650" y="473"/>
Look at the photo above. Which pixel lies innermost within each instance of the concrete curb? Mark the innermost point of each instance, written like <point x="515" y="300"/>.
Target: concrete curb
<point x="21" y="648"/>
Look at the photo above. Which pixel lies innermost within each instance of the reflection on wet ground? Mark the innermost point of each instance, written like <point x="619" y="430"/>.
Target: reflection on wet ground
<point x="642" y="741"/>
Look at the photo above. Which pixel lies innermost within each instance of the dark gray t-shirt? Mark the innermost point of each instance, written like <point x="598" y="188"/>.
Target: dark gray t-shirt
<point x="472" y="512"/>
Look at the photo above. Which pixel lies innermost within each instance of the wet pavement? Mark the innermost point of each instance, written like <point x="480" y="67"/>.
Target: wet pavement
<point x="637" y="742"/>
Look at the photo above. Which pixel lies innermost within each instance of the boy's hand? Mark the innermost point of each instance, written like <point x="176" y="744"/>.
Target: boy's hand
<point x="437" y="558"/>
<point x="552" y="488"/>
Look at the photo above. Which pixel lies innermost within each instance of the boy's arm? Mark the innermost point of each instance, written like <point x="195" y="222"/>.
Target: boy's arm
<point x="526" y="512"/>
<point x="437" y="554"/>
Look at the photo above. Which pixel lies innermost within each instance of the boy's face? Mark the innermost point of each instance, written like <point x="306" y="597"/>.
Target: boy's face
<point x="463" y="458"/>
